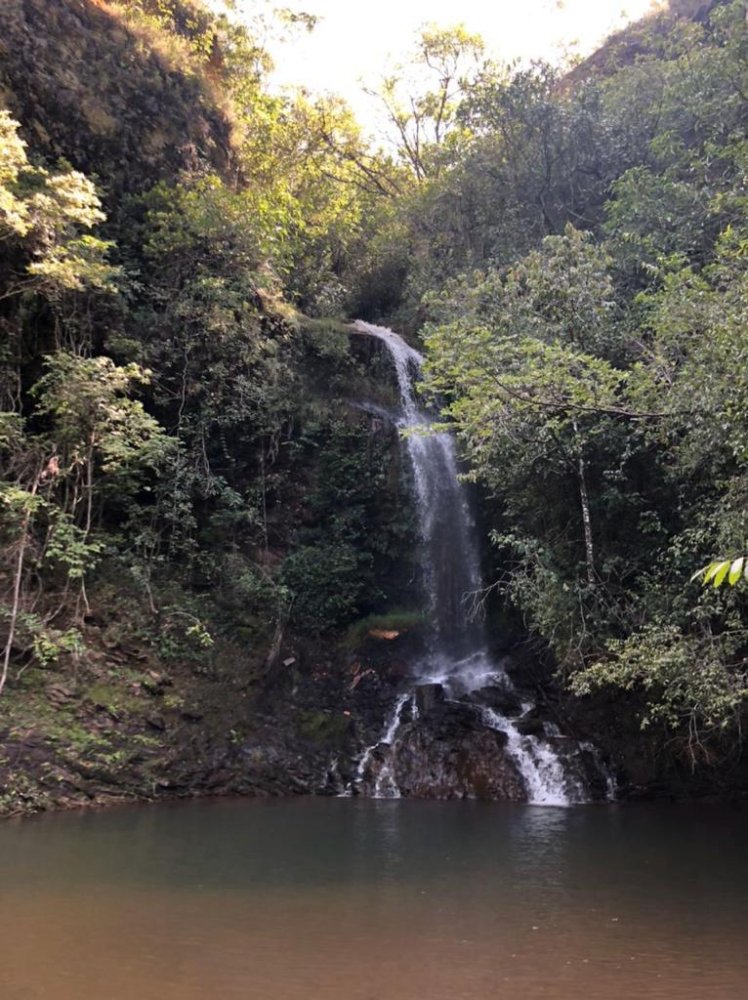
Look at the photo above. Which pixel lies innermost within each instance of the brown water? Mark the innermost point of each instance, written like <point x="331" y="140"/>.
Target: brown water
<point x="365" y="900"/>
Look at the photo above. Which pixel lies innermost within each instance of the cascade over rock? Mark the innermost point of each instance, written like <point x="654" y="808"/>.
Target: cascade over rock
<point x="460" y="728"/>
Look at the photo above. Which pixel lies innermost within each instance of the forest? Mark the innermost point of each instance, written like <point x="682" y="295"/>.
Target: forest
<point x="200" y="532"/>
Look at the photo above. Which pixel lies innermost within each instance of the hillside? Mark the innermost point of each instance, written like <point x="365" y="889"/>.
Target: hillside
<point x="104" y="89"/>
<point x="213" y="575"/>
<point x="189" y="495"/>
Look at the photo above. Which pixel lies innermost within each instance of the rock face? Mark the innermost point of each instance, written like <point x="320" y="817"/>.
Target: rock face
<point x="88" y="85"/>
<point x="440" y="763"/>
<point x="446" y="752"/>
<point x="499" y="696"/>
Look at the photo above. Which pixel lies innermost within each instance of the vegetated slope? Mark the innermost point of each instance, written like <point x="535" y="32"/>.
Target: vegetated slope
<point x="643" y="38"/>
<point x="198" y="503"/>
<point x="110" y="93"/>
<point x="585" y="326"/>
<point x="527" y="150"/>
<point x="189" y="497"/>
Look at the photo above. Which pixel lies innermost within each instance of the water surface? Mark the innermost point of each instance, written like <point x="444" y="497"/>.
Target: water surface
<point x="375" y="900"/>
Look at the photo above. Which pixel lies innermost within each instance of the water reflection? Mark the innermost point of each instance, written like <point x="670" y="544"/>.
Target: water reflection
<point x="347" y="899"/>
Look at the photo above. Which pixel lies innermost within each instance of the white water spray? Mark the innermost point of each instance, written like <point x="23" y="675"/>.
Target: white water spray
<point x="385" y="786"/>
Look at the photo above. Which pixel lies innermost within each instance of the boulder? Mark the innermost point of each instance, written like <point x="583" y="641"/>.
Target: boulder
<point x="450" y="754"/>
<point x="473" y="767"/>
<point x="531" y="725"/>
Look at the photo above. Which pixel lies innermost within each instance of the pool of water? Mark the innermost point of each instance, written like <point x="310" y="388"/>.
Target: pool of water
<point x="327" y="899"/>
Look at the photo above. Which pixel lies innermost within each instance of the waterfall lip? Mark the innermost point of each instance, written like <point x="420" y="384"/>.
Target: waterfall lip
<point x="384" y="333"/>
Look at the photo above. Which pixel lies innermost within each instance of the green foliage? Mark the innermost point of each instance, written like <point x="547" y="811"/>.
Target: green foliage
<point x="421" y="102"/>
<point x="89" y="410"/>
<point x="576" y="245"/>
<point x="71" y="547"/>
<point x="329" y="583"/>
<point x="596" y="380"/>
<point x="686" y="680"/>
<point x="44" y="213"/>
<point x="222" y="359"/>
<point x="355" y="532"/>
<point x="722" y="571"/>
<point x="49" y="645"/>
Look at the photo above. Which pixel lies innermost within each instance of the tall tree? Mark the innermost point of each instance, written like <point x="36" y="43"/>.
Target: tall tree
<point x="421" y="103"/>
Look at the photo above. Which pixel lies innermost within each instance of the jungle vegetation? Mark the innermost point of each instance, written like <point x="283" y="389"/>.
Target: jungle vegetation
<point x="571" y="246"/>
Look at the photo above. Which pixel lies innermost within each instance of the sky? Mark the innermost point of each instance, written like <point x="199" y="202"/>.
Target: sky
<point x="355" y="41"/>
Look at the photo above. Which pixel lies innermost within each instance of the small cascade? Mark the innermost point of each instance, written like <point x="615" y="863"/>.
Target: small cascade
<point x="384" y="786"/>
<point x="541" y="769"/>
<point x="505" y="759"/>
<point x="609" y="783"/>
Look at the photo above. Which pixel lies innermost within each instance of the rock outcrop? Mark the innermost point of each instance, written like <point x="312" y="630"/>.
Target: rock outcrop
<point x="89" y="86"/>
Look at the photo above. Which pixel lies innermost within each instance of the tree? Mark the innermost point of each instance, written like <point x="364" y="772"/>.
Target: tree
<point x="422" y="106"/>
<point x="559" y="384"/>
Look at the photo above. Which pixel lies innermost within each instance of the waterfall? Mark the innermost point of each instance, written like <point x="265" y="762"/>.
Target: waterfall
<point x="457" y="659"/>
<point x="385" y="786"/>
<point x="450" y="559"/>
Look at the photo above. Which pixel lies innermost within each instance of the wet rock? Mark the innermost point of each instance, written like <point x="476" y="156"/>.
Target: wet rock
<point x="501" y="698"/>
<point x="476" y="766"/>
<point x="586" y="763"/>
<point x="430" y="698"/>
<point x="530" y="725"/>
<point x="450" y="754"/>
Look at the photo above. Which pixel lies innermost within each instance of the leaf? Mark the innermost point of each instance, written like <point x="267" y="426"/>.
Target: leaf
<point x="711" y="570"/>
<point x="700" y="574"/>
<point x="722" y="571"/>
<point x="719" y="570"/>
<point x="736" y="570"/>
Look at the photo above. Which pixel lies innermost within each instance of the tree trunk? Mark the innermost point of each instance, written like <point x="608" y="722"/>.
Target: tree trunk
<point x="17" y="586"/>
<point x="589" y="547"/>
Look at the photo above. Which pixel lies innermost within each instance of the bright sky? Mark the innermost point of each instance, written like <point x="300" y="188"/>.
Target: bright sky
<point x="355" y="41"/>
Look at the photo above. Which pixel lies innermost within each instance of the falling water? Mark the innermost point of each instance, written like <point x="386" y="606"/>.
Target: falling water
<point x="458" y="659"/>
<point x="450" y="559"/>
<point x="385" y="786"/>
